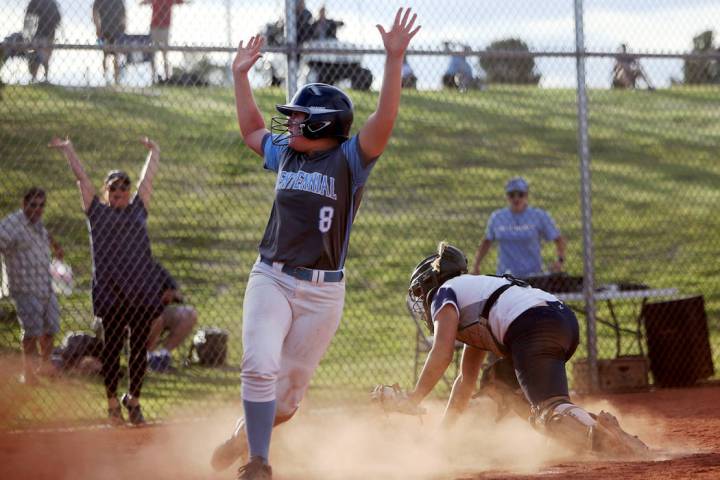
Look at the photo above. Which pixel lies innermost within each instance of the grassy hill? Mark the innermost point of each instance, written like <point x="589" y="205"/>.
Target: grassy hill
<point x="655" y="191"/>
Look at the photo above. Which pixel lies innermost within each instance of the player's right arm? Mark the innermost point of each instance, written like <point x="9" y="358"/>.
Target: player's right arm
<point x="87" y="191"/>
<point x="250" y="120"/>
<point x="441" y="354"/>
<point x="482" y="251"/>
<point x="464" y="385"/>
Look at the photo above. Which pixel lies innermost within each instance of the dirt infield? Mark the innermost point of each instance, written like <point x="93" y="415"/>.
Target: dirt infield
<point x="682" y="427"/>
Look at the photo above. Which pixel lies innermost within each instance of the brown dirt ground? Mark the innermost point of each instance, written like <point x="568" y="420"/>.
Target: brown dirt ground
<point x="682" y="425"/>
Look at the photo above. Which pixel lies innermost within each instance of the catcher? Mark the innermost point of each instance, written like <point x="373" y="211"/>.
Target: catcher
<point x="507" y="317"/>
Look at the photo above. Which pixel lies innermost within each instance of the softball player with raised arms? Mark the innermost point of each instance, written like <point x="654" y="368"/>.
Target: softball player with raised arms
<point x="296" y="290"/>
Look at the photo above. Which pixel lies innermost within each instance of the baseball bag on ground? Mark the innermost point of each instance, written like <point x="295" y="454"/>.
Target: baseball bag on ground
<point x="77" y="345"/>
<point x="209" y="347"/>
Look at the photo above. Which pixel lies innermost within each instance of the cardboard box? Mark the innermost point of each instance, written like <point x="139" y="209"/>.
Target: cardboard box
<point x="623" y="374"/>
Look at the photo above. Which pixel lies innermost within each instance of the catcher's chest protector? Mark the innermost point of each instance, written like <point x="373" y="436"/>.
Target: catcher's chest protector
<point x="478" y="335"/>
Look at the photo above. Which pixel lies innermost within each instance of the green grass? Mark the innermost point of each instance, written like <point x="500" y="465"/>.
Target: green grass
<point x="655" y="193"/>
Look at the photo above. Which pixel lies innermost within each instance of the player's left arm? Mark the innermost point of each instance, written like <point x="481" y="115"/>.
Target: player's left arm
<point x="551" y="232"/>
<point x="441" y="353"/>
<point x="145" y="184"/>
<point x="560" y="246"/>
<point x="464" y="386"/>
<point x="375" y="134"/>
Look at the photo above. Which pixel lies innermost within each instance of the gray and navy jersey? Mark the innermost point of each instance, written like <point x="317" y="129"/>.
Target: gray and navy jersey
<point x="316" y="199"/>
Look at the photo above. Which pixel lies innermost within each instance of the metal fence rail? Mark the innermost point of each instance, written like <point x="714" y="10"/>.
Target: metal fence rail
<point x="515" y="89"/>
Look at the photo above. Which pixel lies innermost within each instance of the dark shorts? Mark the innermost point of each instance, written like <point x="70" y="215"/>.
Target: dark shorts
<point x="541" y="340"/>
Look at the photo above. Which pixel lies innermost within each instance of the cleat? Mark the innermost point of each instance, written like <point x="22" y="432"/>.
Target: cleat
<point x="231" y="450"/>
<point x="256" y="469"/>
<point x="134" y="411"/>
<point x="115" y="416"/>
<point x="609" y="437"/>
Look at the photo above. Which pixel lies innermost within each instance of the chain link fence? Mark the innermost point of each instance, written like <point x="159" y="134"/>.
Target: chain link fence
<point x="491" y="93"/>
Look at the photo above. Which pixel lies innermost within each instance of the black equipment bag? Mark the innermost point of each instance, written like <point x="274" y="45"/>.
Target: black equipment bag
<point x="209" y="347"/>
<point x="77" y="345"/>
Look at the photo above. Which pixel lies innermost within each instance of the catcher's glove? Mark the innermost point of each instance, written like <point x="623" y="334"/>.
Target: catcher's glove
<point x="392" y="398"/>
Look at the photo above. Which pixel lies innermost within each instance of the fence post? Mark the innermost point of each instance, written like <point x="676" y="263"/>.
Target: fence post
<point x="228" y="28"/>
<point x="291" y="55"/>
<point x="586" y="200"/>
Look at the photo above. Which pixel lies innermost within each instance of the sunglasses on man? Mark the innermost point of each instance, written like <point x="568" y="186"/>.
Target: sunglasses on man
<point x="516" y="194"/>
<point x="37" y="204"/>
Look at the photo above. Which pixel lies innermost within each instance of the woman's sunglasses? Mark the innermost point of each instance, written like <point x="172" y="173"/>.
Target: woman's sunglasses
<point x="123" y="187"/>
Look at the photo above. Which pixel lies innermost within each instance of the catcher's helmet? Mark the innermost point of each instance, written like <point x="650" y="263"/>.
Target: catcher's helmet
<point x="328" y="110"/>
<point x="430" y="274"/>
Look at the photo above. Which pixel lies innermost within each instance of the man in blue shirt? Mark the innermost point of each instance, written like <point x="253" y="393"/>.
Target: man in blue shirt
<point x="519" y="230"/>
<point x="459" y="73"/>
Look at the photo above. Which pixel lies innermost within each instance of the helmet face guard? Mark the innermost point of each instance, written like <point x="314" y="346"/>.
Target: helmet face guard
<point x="313" y="126"/>
<point x="424" y="282"/>
<point x="429" y="275"/>
<point x="327" y="110"/>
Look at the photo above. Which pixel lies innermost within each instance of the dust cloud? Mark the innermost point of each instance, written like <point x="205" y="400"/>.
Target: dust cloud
<point x="366" y="444"/>
<point x="343" y="443"/>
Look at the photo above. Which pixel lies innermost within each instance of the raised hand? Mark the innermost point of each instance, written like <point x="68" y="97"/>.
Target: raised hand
<point x="149" y="144"/>
<point x="61" y="144"/>
<point x="246" y="56"/>
<point x="397" y="39"/>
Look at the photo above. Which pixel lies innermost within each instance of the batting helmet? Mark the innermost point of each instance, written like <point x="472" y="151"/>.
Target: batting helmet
<point x="328" y="114"/>
<point x="430" y="274"/>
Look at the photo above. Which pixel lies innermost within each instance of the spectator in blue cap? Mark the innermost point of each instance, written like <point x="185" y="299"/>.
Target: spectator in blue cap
<point x="519" y="230"/>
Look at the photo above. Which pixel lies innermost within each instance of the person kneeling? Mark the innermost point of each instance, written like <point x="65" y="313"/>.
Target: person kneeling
<point x="529" y="326"/>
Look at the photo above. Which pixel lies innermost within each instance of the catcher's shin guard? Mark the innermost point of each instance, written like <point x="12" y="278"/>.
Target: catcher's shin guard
<point x="575" y="427"/>
<point x="569" y="424"/>
<point x="232" y="449"/>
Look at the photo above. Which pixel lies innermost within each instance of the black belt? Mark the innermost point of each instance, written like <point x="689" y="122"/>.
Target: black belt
<point x="307" y="274"/>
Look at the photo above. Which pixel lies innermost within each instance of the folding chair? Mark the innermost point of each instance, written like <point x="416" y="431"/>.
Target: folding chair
<point x="424" y="343"/>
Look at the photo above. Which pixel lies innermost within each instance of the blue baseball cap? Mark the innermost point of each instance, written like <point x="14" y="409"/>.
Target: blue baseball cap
<point x="516" y="184"/>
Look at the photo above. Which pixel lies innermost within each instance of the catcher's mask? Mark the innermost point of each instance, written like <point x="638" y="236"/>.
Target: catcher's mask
<point x="328" y="114"/>
<point x="430" y="274"/>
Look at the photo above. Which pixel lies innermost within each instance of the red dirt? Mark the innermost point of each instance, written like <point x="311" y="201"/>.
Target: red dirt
<point x="684" y="424"/>
<point x="691" y="427"/>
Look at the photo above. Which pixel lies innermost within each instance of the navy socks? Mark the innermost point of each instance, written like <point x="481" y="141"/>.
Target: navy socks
<point x="259" y="419"/>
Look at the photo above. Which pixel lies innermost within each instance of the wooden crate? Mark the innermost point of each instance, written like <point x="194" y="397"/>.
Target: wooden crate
<point x="622" y="374"/>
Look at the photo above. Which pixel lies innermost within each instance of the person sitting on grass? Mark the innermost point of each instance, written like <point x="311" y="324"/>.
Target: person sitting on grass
<point x="176" y="322"/>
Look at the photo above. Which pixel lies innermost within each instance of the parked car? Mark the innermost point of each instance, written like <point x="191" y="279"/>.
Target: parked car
<point x="330" y="68"/>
